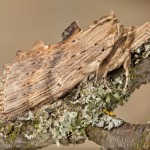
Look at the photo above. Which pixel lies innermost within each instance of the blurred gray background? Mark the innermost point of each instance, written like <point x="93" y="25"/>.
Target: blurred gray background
<point x="24" y="21"/>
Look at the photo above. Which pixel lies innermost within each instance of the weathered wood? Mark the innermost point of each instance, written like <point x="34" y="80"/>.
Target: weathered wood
<point x="45" y="73"/>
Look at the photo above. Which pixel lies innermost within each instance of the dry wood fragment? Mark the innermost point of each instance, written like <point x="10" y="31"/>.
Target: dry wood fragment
<point x="45" y="73"/>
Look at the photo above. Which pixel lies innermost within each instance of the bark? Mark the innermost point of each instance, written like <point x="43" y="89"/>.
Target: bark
<point x="43" y="75"/>
<point x="128" y="137"/>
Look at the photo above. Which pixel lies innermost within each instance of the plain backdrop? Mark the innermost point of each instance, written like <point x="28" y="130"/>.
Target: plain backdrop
<point x="24" y="21"/>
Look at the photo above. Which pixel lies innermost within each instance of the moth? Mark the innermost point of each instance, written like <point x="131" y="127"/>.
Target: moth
<point x="45" y="73"/>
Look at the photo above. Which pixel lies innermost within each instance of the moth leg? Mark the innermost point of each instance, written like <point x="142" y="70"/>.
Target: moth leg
<point x="126" y="67"/>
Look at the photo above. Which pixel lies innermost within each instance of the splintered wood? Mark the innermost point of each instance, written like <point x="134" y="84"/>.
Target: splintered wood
<point x="43" y="73"/>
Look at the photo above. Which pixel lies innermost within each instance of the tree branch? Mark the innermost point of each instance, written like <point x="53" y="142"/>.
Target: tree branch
<point x="44" y="98"/>
<point x="126" y="137"/>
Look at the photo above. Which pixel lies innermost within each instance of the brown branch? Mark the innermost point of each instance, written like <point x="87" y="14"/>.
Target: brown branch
<point x="126" y="137"/>
<point x="41" y="76"/>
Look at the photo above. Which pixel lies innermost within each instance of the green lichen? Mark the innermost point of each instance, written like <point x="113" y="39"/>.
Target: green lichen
<point x="85" y="106"/>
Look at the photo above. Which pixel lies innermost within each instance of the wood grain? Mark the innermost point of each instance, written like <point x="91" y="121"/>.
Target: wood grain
<point x="45" y="73"/>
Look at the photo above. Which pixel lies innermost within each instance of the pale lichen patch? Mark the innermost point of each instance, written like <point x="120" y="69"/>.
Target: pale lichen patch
<point x="141" y="52"/>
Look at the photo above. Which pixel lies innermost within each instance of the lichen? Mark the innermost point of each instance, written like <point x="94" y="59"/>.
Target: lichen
<point x="141" y="52"/>
<point x="83" y="106"/>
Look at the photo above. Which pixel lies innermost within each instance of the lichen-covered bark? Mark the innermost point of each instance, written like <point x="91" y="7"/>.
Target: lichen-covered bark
<point x="44" y="99"/>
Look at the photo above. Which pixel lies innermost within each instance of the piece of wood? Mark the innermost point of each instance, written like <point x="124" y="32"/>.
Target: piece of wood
<point x="42" y="74"/>
<point x="45" y="73"/>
